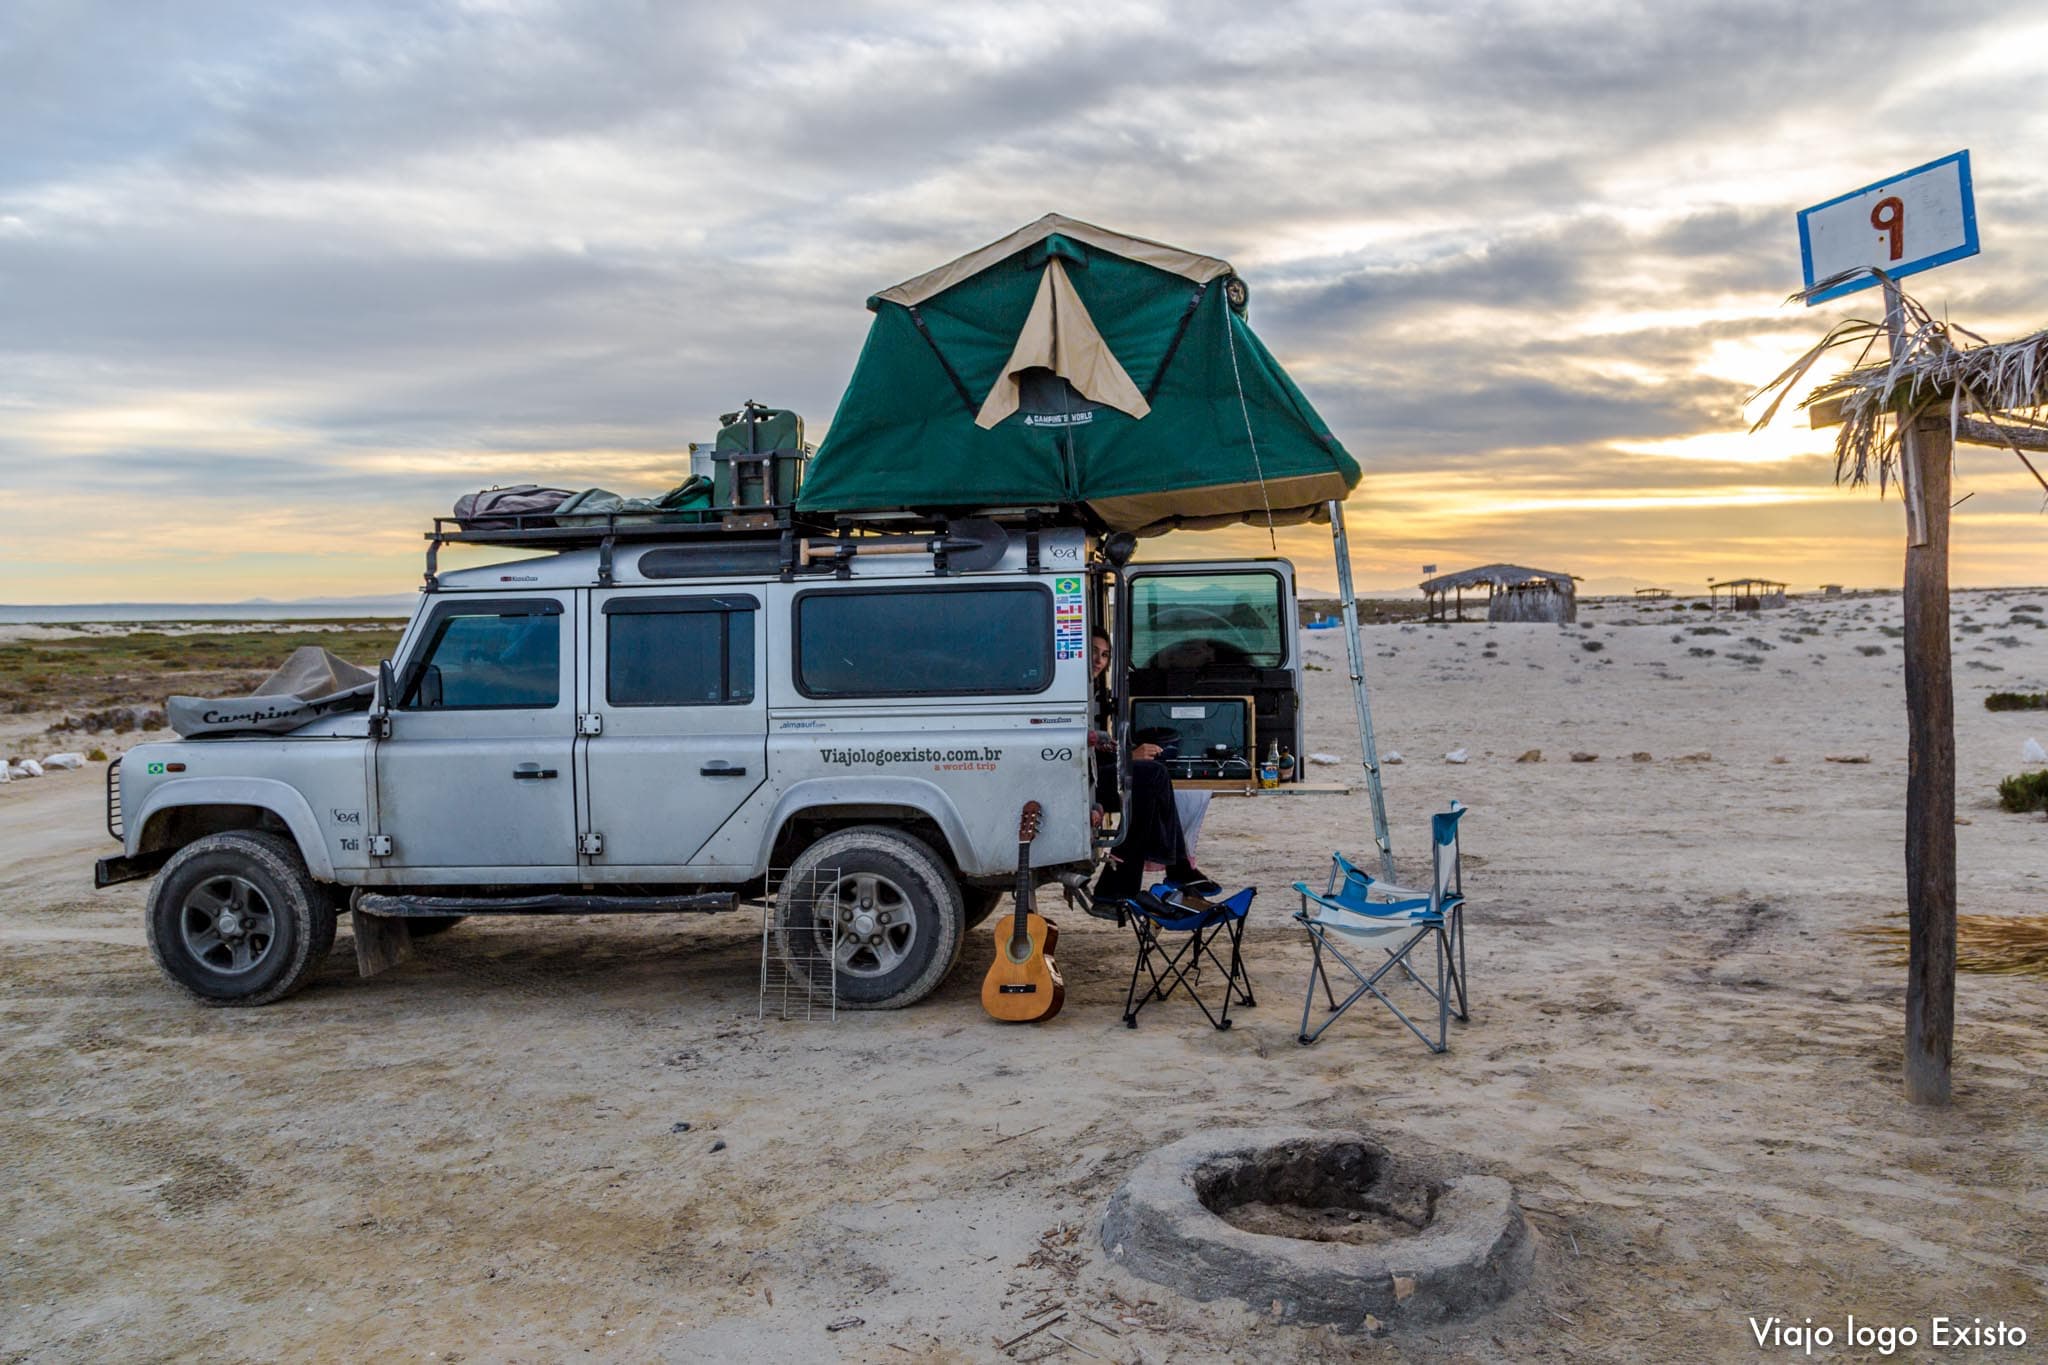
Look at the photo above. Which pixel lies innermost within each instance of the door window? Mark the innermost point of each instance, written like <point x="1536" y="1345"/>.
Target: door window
<point x="679" y="651"/>
<point x="490" y="656"/>
<point x="1195" y="620"/>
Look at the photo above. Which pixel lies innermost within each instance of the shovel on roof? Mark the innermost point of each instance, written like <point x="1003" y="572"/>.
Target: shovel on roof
<point x="969" y="545"/>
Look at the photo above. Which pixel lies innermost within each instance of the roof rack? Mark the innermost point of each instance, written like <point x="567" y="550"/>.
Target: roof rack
<point x="603" y="531"/>
<point x="777" y="523"/>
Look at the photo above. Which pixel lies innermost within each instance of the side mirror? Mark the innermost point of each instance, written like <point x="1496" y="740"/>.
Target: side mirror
<point x="380" y="705"/>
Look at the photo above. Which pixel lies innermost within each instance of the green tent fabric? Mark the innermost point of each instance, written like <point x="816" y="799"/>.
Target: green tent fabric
<point x="1067" y="364"/>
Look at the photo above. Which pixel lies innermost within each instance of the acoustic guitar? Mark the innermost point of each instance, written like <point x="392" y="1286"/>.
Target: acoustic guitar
<point x="1023" y="985"/>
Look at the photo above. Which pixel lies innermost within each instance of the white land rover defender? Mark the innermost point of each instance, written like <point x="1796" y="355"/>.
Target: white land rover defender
<point x="659" y="718"/>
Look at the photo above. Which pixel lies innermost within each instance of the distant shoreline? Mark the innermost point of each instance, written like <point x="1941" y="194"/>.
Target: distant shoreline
<point x="125" y="613"/>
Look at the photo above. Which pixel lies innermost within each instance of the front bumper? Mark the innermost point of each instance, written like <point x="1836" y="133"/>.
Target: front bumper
<point x="112" y="871"/>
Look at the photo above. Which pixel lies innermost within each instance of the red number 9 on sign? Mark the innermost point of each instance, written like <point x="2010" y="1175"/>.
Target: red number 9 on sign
<point x="1890" y="217"/>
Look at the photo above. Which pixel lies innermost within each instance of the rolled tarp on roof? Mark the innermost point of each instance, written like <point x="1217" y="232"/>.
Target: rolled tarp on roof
<point x="1068" y="364"/>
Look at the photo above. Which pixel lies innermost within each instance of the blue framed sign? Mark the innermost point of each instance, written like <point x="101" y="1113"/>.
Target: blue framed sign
<point x="1903" y="225"/>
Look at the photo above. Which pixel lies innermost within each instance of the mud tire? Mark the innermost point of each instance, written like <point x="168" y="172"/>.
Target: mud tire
<point x="924" y="883"/>
<point x="266" y="868"/>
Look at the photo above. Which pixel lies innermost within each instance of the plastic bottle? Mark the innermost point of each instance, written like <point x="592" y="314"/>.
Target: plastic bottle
<point x="1269" y="771"/>
<point x="1286" y="764"/>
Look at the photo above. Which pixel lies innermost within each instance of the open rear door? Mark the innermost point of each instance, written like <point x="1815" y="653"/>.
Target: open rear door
<point x="1222" y="628"/>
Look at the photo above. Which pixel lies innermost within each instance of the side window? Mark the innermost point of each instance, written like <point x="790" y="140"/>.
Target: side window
<point x="1192" y="620"/>
<point x="493" y="656"/>
<point x="898" y="642"/>
<point x="679" y="652"/>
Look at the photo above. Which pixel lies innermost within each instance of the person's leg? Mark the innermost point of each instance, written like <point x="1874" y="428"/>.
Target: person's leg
<point x="1154" y="835"/>
<point x="1155" y="819"/>
<point x="1121" y="875"/>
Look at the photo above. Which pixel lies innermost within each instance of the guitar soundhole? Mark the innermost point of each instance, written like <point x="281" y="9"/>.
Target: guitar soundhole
<point x="1026" y="988"/>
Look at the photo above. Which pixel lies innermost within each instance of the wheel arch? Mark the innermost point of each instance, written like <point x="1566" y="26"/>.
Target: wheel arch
<point x="810" y="810"/>
<point x="177" y="813"/>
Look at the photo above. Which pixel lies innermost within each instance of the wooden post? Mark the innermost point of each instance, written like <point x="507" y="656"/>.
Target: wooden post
<point x="1909" y="454"/>
<point x="1930" y="777"/>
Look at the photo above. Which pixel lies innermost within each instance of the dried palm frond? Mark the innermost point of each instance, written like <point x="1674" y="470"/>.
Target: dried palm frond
<point x="2004" y="945"/>
<point x="1936" y="366"/>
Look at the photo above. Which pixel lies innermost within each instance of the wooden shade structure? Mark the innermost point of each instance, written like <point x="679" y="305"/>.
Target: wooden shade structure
<point x="1546" y="596"/>
<point x="1900" y="418"/>
<point x="1747" y="594"/>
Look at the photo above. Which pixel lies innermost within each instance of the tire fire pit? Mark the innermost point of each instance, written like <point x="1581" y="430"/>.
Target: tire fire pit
<point x="1323" y="1227"/>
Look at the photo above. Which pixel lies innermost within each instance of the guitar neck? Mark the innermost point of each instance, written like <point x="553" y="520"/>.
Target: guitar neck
<point x="1027" y="830"/>
<point x="1018" y="933"/>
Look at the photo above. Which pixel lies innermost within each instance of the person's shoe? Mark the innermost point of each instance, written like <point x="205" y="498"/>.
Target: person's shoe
<point x="1202" y="887"/>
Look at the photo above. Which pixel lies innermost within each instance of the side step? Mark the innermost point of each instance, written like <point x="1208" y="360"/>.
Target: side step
<point x="552" y="903"/>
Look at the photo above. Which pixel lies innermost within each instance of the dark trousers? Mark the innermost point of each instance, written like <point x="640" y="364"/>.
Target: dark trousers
<point x="1153" y="834"/>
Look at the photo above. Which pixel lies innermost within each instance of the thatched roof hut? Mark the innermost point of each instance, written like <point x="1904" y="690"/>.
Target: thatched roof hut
<point x="1513" y="593"/>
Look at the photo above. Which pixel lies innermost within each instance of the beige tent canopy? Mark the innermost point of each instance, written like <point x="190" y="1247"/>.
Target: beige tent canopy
<point x="1200" y="269"/>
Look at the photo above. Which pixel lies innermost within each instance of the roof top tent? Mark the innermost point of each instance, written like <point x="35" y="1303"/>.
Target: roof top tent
<point x="1513" y="593"/>
<point x="1073" y="367"/>
<point x="1073" y="372"/>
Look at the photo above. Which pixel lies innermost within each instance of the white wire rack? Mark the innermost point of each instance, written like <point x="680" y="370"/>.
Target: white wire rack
<point x="799" y="949"/>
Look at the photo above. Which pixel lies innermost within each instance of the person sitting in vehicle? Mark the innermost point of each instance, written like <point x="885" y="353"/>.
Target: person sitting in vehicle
<point x="1152" y="825"/>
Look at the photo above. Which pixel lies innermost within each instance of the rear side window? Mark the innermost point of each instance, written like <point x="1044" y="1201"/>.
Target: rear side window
<point x="1193" y="620"/>
<point x="679" y="653"/>
<point x="507" y="657"/>
<point x="921" y="642"/>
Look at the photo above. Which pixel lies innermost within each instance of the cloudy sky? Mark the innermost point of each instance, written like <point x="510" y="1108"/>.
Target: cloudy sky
<point x="277" y="282"/>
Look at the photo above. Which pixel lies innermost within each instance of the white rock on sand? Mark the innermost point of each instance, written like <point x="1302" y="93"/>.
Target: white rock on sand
<point x="65" y="761"/>
<point x="2032" y="752"/>
<point x="1457" y="756"/>
<point x="28" y="767"/>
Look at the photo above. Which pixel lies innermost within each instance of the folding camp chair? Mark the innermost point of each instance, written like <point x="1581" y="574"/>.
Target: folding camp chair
<point x="1157" y="913"/>
<point x="1356" y="911"/>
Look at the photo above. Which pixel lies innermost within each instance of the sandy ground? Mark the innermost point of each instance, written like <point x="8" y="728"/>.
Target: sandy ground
<point x="1681" y="1055"/>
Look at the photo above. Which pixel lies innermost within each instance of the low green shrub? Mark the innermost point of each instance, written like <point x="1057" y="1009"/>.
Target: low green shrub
<point x="2016" y="701"/>
<point x="2025" y="792"/>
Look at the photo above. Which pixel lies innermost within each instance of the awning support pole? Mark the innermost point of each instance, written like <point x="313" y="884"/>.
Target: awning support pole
<point x="1349" y="600"/>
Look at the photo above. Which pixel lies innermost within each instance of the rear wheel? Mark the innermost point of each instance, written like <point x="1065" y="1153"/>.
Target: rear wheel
<point x="235" y="919"/>
<point x="880" y="907"/>
<point x="980" y="902"/>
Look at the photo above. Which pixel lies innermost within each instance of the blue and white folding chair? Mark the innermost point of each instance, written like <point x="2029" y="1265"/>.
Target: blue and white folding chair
<point x="1158" y="913"/>
<point x="1356" y="911"/>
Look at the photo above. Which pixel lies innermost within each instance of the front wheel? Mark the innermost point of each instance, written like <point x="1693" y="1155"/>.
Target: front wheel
<point x="880" y="907"/>
<point x="233" y="919"/>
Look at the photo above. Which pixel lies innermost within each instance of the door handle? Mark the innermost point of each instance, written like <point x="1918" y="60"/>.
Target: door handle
<point x="530" y="773"/>
<point x="721" y="770"/>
